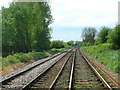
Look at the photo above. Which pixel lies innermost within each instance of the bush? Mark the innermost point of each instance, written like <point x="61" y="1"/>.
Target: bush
<point x="114" y="36"/>
<point x="26" y="57"/>
<point x="9" y="60"/>
<point x="57" y="44"/>
<point x="105" y="55"/>
<point x="102" y="35"/>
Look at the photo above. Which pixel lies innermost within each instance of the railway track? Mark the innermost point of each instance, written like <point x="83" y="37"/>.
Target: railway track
<point x="49" y="77"/>
<point x="19" y="78"/>
<point x="86" y="76"/>
<point x="114" y="83"/>
<point x="80" y="74"/>
<point x="72" y="70"/>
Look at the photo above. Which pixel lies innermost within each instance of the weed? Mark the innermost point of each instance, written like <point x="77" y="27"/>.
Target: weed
<point x="26" y="57"/>
<point x="105" y="55"/>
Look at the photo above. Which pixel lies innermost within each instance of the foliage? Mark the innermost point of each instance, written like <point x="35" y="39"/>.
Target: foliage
<point x="66" y="45"/>
<point x="25" y="27"/>
<point x="109" y="35"/>
<point x="86" y="44"/>
<point x="114" y="37"/>
<point x="26" y="57"/>
<point x="78" y="43"/>
<point x="70" y="43"/>
<point x="54" y="50"/>
<point x="88" y="35"/>
<point x="105" y="55"/>
<point x="102" y="35"/>
<point x="57" y="44"/>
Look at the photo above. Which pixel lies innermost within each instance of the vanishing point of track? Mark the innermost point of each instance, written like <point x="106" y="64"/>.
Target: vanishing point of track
<point x="71" y="70"/>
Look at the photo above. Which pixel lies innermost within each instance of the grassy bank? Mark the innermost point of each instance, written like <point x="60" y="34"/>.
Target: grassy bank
<point x="105" y="55"/>
<point x="27" y="57"/>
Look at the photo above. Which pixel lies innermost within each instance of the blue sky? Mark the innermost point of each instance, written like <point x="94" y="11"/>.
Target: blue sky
<point x="71" y="16"/>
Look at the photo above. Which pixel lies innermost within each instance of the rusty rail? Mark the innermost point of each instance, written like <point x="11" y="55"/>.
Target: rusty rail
<point x="108" y="75"/>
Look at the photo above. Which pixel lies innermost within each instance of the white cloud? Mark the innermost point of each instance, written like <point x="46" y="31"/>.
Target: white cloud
<point x="76" y="13"/>
<point x="5" y="3"/>
<point x="79" y="13"/>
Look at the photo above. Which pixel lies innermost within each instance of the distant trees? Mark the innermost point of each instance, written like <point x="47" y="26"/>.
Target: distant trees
<point x="71" y="43"/>
<point x="88" y="35"/>
<point x="60" y="44"/>
<point x="105" y="35"/>
<point x="57" y="44"/>
<point x="78" y="43"/>
<point x="25" y="27"/>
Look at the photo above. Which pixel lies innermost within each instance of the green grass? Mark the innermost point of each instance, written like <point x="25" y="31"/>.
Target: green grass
<point x="26" y="57"/>
<point x="105" y="55"/>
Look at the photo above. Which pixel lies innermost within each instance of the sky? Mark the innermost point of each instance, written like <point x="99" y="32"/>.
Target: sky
<point x="71" y="16"/>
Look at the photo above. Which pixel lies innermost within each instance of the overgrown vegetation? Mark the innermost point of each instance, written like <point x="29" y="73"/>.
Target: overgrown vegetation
<point x="25" y="27"/>
<point x="57" y="44"/>
<point x="27" y="57"/>
<point x="106" y="35"/>
<point x="105" y="47"/>
<point x="102" y="35"/>
<point x="105" y="55"/>
<point x="114" y="37"/>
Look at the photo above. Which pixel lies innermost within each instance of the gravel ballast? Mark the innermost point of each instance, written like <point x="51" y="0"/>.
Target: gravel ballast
<point x="23" y="79"/>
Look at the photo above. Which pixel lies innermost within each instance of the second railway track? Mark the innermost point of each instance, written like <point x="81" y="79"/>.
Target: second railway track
<point x="72" y="71"/>
<point x="48" y="78"/>
<point x="23" y="76"/>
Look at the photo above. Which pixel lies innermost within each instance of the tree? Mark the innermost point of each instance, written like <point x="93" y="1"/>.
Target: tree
<point x="114" y="37"/>
<point x="71" y="43"/>
<point x="78" y="43"/>
<point x="88" y="35"/>
<point x="25" y="27"/>
<point x="57" y="44"/>
<point x="102" y="35"/>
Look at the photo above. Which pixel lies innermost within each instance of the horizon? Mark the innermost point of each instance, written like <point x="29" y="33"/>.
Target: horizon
<point x="70" y="21"/>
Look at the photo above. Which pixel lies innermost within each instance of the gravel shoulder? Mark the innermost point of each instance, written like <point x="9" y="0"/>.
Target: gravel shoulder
<point x="29" y="75"/>
<point x="48" y="77"/>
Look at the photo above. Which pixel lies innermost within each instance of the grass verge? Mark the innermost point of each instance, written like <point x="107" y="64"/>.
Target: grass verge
<point x="105" y="55"/>
<point x="27" y="57"/>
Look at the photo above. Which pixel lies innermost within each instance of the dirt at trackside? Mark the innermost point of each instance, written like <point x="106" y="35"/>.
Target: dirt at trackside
<point x="13" y="67"/>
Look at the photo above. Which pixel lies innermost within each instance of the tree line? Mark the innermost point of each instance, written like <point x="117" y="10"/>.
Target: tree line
<point x="60" y="44"/>
<point x="90" y="36"/>
<point x="25" y="27"/>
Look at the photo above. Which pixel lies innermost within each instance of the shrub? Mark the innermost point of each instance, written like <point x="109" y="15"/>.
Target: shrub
<point x="57" y="44"/>
<point x="114" y="36"/>
<point x="105" y="55"/>
<point x="26" y="57"/>
<point x="102" y="35"/>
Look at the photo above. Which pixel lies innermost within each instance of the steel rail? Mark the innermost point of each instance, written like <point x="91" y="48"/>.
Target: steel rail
<point x="29" y="83"/>
<point x="100" y="77"/>
<point x="53" y="83"/>
<point x="108" y="75"/>
<point x="29" y="68"/>
<point x="72" y="71"/>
